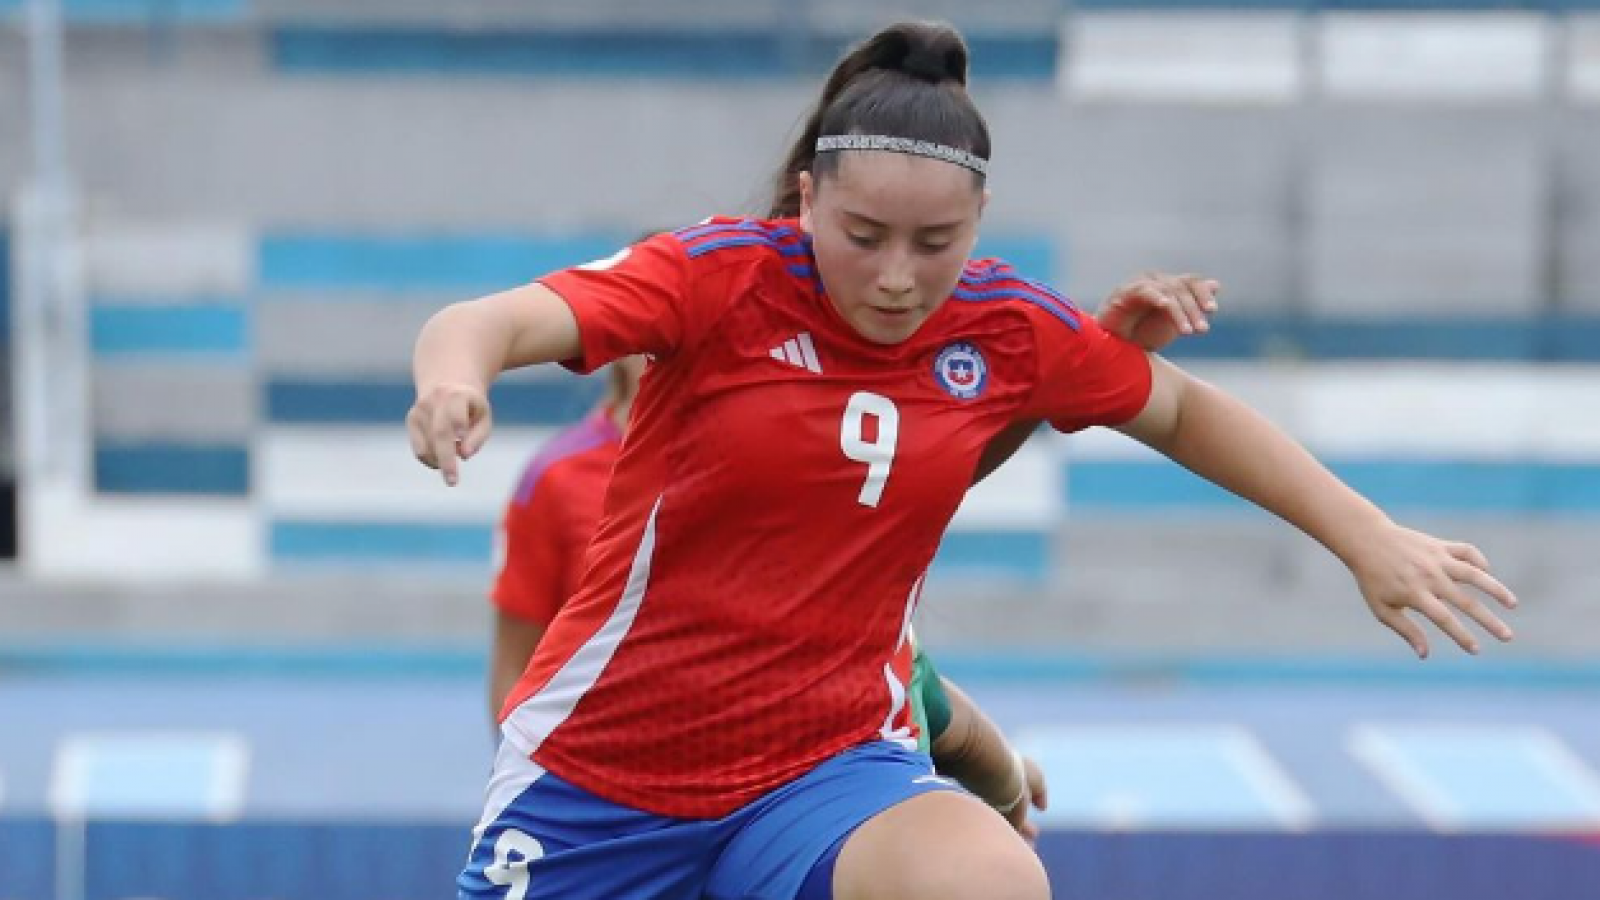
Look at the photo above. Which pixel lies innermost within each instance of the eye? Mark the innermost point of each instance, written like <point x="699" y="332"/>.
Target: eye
<point x="933" y="247"/>
<point x="862" y="240"/>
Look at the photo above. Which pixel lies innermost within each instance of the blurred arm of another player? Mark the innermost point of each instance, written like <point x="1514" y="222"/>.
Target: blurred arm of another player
<point x="532" y="579"/>
<point x="1152" y="310"/>
<point x="968" y="746"/>
<point x="528" y="590"/>
<point x="514" y="641"/>
<point x="1155" y="309"/>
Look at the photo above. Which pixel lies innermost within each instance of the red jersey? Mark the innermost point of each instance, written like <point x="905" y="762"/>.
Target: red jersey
<point x="552" y="516"/>
<point x="551" y="519"/>
<point x="782" y="488"/>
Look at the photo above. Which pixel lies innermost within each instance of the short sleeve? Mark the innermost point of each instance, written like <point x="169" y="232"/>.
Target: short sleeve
<point x="1086" y="375"/>
<point x="636" y="301"/>
<point x="535" y="576"/>
<point x="931" y="692"/>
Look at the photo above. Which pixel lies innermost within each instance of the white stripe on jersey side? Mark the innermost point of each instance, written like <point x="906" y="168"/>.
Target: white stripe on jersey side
<point x="777" y="354"/>
<point x="539" y="715"/>
<point x="810" y="351"/>
<point x="911" y="607"/>
<point x="897" y="691"/>
<point x="514" y="772"/>
<point x="897" y="702"/>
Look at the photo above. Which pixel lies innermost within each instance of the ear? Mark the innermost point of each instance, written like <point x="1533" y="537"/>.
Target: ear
<point x="984" y="203"/>
<point x="808" y="189"/>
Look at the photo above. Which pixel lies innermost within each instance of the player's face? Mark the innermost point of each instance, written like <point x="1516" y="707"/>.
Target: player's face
<point x="891" y="233"/>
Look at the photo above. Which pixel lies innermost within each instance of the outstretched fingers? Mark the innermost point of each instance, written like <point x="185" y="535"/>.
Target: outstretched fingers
<point x="1410" y="632"/>
<point x="1469" y="566"/>
<point x="1477" y="612"/>
<point x="1436" y="605"/>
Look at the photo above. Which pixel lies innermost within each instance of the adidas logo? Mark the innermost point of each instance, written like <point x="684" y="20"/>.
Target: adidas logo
<point x="798" y="351"/>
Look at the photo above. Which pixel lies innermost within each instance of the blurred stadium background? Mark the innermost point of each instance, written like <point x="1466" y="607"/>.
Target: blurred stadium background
<point x="242" y="640"/>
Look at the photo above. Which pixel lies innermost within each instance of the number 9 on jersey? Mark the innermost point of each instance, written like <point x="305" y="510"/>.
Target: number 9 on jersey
<point x="877" y="454"/>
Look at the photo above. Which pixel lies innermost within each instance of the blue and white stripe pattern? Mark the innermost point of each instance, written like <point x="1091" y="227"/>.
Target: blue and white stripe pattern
<point x="269" y="371"/>
<point x="170" y="335"/>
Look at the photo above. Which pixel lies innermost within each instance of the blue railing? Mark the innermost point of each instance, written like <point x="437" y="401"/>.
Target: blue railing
<point x="358" y="861"/>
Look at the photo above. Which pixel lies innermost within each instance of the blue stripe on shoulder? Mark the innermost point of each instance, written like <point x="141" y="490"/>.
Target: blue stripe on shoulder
<point x="696" y="232"/>
<point x="743" y="240"/>
<point x="1047" y="290"/>
<point x="1000" y="271"/>
<point x="1050" y="294"/>
<point x="1065" y="314"/>
<point x="1035" y="292"/>
<point x="992" y="272"/>
<point x="740" y="234"/>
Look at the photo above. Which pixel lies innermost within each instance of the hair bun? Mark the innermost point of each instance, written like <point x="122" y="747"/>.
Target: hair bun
<point x="930" y="63"/>
<point x="927" y="51"/>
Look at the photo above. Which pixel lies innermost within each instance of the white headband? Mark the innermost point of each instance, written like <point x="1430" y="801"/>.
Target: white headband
<point x="903" y="145"/>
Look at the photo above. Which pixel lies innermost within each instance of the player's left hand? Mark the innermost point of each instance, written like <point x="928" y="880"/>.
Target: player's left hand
<point x="1038" y="798"/>
<point x="1155" y="309"/>
<point x="1399" y="570"/>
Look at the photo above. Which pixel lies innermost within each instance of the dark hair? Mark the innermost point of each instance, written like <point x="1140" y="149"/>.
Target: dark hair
<point x="908" y="80"/>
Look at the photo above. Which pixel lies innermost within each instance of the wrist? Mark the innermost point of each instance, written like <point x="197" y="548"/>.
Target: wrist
<point x="1006" y="809"/>
<point x="1355" y="533"/>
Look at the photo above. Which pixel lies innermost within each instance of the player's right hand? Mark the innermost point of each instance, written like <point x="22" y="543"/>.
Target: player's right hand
<point x="447" y="424"/>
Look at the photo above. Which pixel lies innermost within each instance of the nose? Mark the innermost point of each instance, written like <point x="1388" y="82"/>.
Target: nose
<point x="895" y="278"/>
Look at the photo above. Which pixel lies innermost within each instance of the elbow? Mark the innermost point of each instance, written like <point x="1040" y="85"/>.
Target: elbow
<point x="445" y="327"/>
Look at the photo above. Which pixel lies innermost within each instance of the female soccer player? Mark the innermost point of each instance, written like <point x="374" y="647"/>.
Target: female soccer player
<point x="551" y="517"/>
<point x="713" y="713"/>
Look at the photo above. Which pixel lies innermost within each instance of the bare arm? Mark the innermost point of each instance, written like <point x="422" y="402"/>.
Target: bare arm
<point x="1226" y="442"/>
<point x="514" y="640"/>
<point x="974" y="752"/>
<point x="459" y="353"/>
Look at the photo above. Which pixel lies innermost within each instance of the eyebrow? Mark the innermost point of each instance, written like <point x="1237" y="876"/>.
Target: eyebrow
<point x="874" y="223"/>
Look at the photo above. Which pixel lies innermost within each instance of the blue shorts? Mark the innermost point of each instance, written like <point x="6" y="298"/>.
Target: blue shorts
<point x="542" y="837"/>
